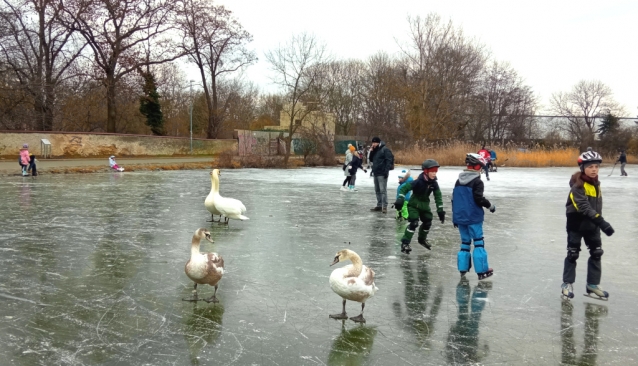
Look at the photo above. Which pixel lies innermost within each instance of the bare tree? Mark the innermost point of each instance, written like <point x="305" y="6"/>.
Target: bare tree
<point x="216" y="43"/>
<point x="503" y="106"/>
<point x="586" y="102"/>
<point x="443" y="69"/>
<point x="119" y="33"/>
<point x="295" y="71"/>
<point x="39" y="51"/>
<point x="340" y="87"/>
<point x="382" y="101"/>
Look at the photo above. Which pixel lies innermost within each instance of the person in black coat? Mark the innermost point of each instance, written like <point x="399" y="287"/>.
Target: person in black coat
<point x="382" y="162"/>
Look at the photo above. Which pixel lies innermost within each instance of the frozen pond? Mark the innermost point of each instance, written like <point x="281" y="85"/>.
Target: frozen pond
<point x="92" y="270"/>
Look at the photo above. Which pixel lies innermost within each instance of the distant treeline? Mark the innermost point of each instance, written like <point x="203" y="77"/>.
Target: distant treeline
<point x="114" y="66"/>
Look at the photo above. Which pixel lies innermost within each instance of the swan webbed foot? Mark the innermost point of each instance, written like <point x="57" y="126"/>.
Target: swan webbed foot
<point x="341" y="316"/>
<point x="192" y="299"/>
<point x="358" y="319"/>
<point x="212" y="299"/>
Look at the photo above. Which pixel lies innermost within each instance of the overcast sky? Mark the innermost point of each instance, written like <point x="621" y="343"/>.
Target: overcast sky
<point x="551" y="44"/>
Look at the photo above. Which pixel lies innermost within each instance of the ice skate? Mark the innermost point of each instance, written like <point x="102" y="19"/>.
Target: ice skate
<point x="567" y="291"/>
<point x="405" y="248"/>
<point x="425" y="244"/>
<point x="344" y="189"/>
<point x="596" y="292"/>
<point x="354" y="189"/>
<point x="484" y="275"/>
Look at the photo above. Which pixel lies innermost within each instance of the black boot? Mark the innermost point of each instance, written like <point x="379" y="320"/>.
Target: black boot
<point x="425" y="243"/>
<point x="405" y="248"/>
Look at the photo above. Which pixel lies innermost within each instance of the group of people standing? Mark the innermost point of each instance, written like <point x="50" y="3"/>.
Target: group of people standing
<point x="413" y="202"/>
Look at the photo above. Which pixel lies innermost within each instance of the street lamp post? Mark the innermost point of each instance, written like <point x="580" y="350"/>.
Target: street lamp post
<point x="191" y="116"/>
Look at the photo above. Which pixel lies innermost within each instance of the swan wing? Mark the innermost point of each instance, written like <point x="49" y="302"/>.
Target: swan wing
<point x="209" y="203"/>
<point x="358" y="288"/>
<point x="216" y="261"/>
<point x="230" y="207"/>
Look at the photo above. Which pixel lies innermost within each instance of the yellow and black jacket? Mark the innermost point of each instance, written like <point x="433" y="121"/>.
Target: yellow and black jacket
<point x="585" y="202"/>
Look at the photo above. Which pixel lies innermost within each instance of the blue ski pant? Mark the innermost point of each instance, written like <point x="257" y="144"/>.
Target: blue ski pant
<point x="472" y="233"/>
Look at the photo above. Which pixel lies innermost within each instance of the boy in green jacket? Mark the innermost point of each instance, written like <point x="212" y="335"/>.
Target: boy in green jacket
<point x="419" y="204"/>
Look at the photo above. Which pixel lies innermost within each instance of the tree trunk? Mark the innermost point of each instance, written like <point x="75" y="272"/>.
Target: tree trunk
<point x="288" y="141"/>
<point x="49" y="103"/>
<point x="110" y="104"/>
<point x="213" y="120"/>
<point x="211" y="113"/>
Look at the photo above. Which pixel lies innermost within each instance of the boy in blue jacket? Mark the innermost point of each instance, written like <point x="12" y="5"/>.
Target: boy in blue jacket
<point x="468" y="215"/>
<point x="404" y="178"/>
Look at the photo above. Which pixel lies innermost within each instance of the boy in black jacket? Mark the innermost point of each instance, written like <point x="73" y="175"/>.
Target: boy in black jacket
<point x="584" y="221"/>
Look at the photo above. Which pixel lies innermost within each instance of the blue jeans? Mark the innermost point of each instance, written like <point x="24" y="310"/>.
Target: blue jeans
<point x="381" y="189"/>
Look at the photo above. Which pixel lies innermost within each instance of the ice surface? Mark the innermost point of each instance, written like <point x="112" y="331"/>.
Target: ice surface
<point x="92" y="270"/>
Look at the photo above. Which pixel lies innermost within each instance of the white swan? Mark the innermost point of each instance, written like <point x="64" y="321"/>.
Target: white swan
<point x="209" y="202"/>
<point x="204" y="268"/>
<point x="354" y="282"/>
<point x="229" y="207"/>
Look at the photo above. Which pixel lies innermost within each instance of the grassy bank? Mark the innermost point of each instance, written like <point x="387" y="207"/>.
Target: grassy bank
<point x="454" y="155"/>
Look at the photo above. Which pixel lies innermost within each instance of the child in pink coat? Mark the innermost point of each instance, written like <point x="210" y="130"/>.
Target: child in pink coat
<point x="25" y="159"/>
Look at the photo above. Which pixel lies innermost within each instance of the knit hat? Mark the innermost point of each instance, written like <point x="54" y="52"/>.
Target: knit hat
<point x="352" y="149"/>
<point x="376" y="139"/>
<point x="404" y="174"/>
<point x="25" y="146"/>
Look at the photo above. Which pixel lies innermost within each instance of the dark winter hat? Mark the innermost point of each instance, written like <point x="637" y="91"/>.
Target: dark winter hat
<point x="430" y="164"/>
<point x="25" y="146"/>
<point x="376" y="139"/>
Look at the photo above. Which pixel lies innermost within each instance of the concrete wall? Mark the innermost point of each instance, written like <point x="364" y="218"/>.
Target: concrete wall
<point x="100" y="145"/>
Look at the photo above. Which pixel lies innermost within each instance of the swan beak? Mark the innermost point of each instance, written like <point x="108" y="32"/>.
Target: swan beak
<point x="335" y="261"/>
<point x="208" y="238"/>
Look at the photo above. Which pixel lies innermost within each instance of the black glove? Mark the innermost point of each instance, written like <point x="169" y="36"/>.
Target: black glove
<point x="604" y="225"/>
<point x="493" y="208"/>
<point x="456" y="226"/>
<point x="398" y="204"/>
<point x="365" y="171"/>
<point x="442" y="216"/>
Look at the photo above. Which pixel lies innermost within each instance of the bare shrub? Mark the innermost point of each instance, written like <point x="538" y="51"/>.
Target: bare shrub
<point x="225" y="159"/>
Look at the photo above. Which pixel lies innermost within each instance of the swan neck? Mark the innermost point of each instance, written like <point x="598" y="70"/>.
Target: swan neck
<point x="357" y="265"/>
<point x="214" y="184"/>
<point x="195" y="246"/>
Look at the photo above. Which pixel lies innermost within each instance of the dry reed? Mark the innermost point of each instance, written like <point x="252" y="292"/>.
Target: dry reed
<point x="453" y="154"/>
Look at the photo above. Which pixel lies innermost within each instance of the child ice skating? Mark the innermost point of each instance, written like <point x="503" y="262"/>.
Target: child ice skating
<point x="355" y="165"/>
<point x="404" y="178"/>
<point x="485" y="154"/>
<point x="467" y="215"/>
<point x="346" y="163"/>
<point x="419" y="205"/>
<point x="114" y="165"/>
<point x="584" y="221"/>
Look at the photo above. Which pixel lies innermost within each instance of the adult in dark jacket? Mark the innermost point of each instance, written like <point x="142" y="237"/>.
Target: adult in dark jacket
<point x="622" y="159"/>
<point x="382" y="162"/>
